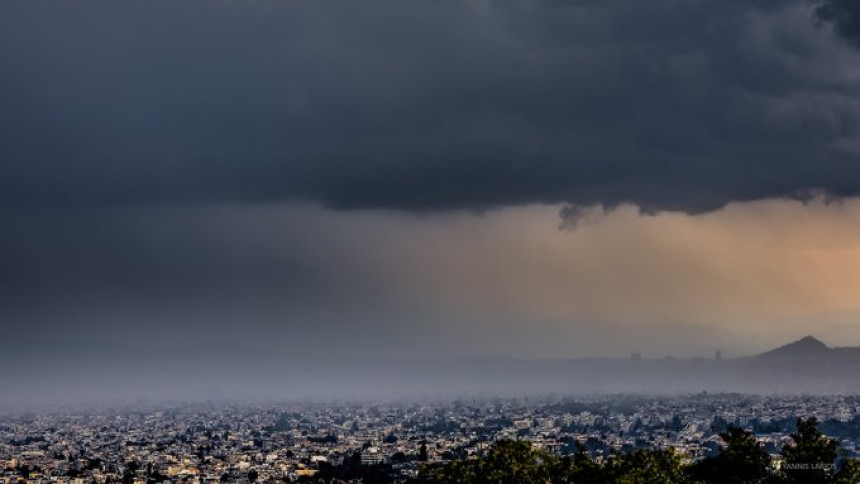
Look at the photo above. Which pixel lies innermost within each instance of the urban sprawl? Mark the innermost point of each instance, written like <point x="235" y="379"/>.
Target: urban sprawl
<point x="221" y="442"/>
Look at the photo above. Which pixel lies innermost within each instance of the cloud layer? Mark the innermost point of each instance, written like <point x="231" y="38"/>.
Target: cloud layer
<point x="224" y="186"/>
<point x="428" y="105"/>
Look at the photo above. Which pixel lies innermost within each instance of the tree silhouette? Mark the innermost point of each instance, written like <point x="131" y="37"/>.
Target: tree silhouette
<point x="810" y="459"/>
<point x="578" y="468"/>
<point x="742" y="460"/>
<point x="849" y="472"/>
<point x="647" y="467"/>
<point x="508" y="461"/>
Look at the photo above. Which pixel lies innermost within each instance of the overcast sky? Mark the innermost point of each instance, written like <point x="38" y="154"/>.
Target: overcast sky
<point x="430" y="178"/>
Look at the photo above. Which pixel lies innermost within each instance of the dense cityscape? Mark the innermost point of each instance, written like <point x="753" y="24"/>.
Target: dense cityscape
<point x="228" y="442"/>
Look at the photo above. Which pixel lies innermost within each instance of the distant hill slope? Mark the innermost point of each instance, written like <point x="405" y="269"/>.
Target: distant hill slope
<point x="803" y="348"/>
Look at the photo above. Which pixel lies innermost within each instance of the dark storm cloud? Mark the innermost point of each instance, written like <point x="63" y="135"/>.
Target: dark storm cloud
<point x="129" y="274"/>
<point x="424" y="105"/>
<point x="844" y="15"/>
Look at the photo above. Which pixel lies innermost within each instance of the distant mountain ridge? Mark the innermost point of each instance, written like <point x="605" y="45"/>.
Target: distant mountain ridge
<point x="805" y="347"/>
<point x="807" y="365"/>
